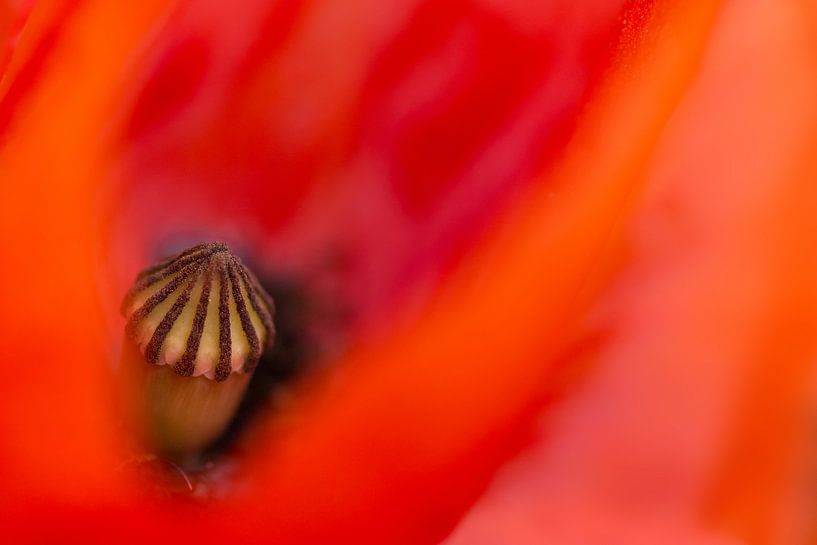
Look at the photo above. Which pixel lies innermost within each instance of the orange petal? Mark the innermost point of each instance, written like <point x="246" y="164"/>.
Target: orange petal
<point x="697" y="424"/>
<point x="57" y="431"/>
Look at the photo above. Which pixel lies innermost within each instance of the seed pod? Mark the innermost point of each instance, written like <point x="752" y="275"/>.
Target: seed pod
<point x="196" y="326"/>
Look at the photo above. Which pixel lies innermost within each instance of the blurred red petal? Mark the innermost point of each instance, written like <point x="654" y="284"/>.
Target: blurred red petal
<point x="57" y="428"/>
<point x="403" y="439"/>
<point x="13" y="15"/>
<point x="411" y="124"/>
<point x="697" y="424"/>
<point x="457" y="390"/>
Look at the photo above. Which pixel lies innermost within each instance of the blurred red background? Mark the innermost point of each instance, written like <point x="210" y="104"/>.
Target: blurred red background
<point x="566" y="248"/>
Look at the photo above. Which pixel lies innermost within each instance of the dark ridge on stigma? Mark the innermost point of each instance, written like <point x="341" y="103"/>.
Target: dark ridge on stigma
<point x="223" y="368"/>
<point x="170" y="266"/>
<point x="266" y="310"/>
<point x="170" y="260"/>
<point x="244" y="316"/>
<point x="164" y="327"/>
<point x="184" y="271"/>
<point x="157" y="298"/>
<point x="186" y="364"/>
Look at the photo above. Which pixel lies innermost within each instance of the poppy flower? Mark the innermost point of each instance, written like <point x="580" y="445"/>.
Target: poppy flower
<point x="548" y="262"/>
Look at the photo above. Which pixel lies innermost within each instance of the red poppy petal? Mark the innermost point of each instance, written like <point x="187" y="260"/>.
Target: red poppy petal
<point x="697" y="424"/>
<point x="422" y="421"/>
<point x="409" y="123"/>
<point x="57" y="427"/>
<point x="393" y="451"/>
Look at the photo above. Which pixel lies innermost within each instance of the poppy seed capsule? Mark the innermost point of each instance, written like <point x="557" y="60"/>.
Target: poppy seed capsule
<point x="197" y="323"/>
